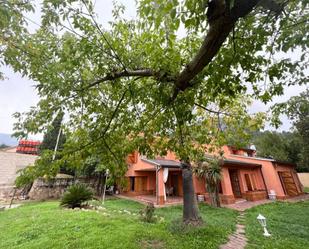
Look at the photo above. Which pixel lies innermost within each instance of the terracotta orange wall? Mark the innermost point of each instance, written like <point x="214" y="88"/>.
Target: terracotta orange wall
<point x="139" y="165"/>
<point x="269" y="172"/>
<point x="257" y="179"/>
<point x="199" y="185"/>
<point x="226" y="182"/>
<point x="241" y="152"/>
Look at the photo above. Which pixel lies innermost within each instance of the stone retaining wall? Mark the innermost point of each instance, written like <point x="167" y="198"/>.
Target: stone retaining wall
<point x="43" y="189"/>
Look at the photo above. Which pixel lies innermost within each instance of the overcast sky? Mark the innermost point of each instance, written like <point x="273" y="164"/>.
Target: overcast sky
<point x="17" y="94"/>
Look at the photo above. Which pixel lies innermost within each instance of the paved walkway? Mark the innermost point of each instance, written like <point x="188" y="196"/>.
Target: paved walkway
<point x="243" y="205"/>
<point x="7" y="206"/>
<point x="303" y="197"/>
<point x="238" y="239"/>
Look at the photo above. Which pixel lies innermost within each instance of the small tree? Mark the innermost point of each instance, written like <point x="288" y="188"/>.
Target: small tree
<point x="76" y="195"/>
<point x="50" y="137"/>
<point x="210" y="170"/>
<point x="147" y="213"/>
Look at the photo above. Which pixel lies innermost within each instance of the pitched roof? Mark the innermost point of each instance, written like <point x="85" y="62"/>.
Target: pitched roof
<point x="174" y="164"/>
<point x="240" y="163"/>
<point x="163" y="163"/>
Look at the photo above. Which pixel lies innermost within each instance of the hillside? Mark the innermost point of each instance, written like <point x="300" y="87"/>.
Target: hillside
<point x="8" y="140"/>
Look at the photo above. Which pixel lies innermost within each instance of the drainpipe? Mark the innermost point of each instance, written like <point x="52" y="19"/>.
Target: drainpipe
<point x="264" y="182"/>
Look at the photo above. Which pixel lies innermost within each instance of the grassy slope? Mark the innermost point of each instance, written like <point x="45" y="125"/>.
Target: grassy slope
<point x="45" y="225"/>
<point x="288" y="223"/>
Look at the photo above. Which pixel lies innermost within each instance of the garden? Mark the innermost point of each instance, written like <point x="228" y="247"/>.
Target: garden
<point x="118" y="224"/>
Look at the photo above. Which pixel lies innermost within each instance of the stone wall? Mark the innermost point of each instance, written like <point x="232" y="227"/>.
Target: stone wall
<point x="10" y="163"/>
<point x="304" y="179"/>
<point x="43" y="189"/>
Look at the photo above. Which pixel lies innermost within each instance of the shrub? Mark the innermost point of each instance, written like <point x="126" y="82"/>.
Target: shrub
<point x="76" y="195"/>
<point x="147" y="213"/>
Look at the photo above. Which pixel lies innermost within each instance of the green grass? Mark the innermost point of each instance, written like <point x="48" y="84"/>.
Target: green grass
<point x="306" y="189"/>
<point x="45" y="225"/>
<point x="287" y="222"/>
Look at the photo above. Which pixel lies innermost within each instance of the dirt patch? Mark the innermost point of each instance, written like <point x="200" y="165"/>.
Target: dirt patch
<point x="152" y="244"/>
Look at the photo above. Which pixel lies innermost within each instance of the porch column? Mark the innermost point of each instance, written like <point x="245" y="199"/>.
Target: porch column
<point x="227" y="191"/>
<point x="160" y="187"/>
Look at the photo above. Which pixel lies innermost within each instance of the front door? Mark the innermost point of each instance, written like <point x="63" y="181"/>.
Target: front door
<point x="288" y="183"/>
<point x="174" y="183"/>
<point x="235" y="183"/>
<point x="140" y="183"/>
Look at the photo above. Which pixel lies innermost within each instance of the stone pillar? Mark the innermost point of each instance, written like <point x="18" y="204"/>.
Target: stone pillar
<point x="160" y="187"/>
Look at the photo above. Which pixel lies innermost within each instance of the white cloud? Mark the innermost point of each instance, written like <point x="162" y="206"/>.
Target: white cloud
<point x="17" y="94"/>
<point x="258" y="106"/>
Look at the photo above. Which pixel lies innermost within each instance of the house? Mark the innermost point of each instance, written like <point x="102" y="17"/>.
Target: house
<point x="12" y="160"/>
<point x="244" y="176"/>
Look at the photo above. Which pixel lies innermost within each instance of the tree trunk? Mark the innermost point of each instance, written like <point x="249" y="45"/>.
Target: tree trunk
<point x="217" y="197"/>
<point x="213" y="191"/>
<point x="99" y="184"/>
<point x="190" y="208"/>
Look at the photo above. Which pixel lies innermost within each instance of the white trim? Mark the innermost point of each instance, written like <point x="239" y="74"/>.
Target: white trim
<point x="254" y="158"/>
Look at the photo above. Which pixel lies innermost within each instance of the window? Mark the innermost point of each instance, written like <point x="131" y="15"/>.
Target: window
<point x="248" y="182"/>
<point x="253" y="182"/>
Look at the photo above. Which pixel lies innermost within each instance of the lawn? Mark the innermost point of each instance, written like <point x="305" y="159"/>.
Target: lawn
<point x="288" y="223"/>
<point x="45" y="225"/>
<point x="306" y="189"/>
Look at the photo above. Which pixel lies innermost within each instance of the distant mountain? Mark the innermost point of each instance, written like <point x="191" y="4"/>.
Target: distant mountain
<point x="8" y="140"/>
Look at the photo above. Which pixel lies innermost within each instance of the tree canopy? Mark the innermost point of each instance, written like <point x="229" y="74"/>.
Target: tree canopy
<point x="297" y="109"/>
<point x="284" y="146"/>
<point x="140" y="73"/>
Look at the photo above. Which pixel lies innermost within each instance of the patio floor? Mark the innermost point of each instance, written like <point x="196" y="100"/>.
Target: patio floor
<point x="243" y="205"/>
<point x="240" y="205"/>
<point x="170" y="200"/>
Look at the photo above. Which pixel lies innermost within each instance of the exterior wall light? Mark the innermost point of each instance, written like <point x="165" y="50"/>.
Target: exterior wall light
<point x="262" y="221"/>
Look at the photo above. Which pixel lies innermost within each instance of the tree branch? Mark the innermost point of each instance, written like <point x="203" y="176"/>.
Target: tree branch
<point x="212" y="111"/>
<point x="221" y="22"/>
<point x="120" y="74"/>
